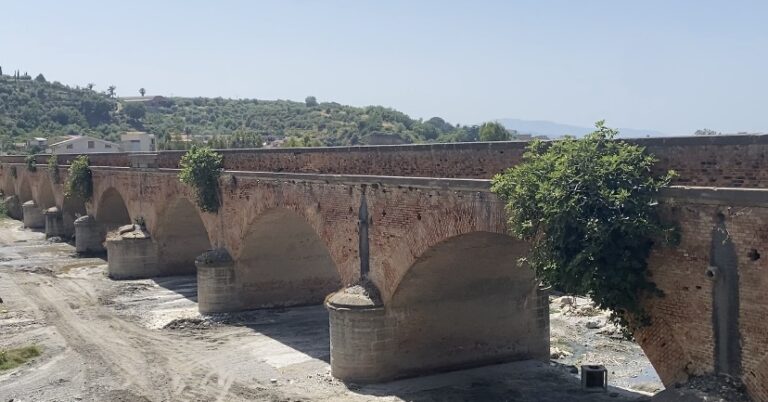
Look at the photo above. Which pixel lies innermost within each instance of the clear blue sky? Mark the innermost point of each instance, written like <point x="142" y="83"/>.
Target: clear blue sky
<point x="673" y="66"/>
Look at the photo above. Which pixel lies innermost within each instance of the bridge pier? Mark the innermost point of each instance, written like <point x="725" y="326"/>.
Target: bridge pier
<point x="131" y="254"/>
<point x="217" y="286"/>
<point x="89" y="235"/>
<point x="54" y="224"/>
<point x="363" y="344"/>
<point x="13" y="207"/>
<point x="371" y="342"/>
<point x="33" y="215"/>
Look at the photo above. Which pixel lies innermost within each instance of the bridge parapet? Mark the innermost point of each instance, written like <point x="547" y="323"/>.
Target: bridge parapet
<point x="725" y="161"/>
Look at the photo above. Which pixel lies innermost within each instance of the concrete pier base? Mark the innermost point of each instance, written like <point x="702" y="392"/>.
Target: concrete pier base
<point x="13" y="207"/>
<point x="33" y="216"/>
<point x="371" y="342"/>
<point x="131" y="254"/>
<point x="54" y="224"/>
<point x="363" y="344"/>
<point x="217" y="287"/>
<point x="89" y="235"/>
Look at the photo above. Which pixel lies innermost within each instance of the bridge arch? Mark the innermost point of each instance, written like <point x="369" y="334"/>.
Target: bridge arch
<point x="466" y="301"/>
<point x="8" y="182"/>
<point x="25" y="190"/>
<point x="111" y="210"/>
<point x="284" y="262"/>
<point x="180" y="236"/>
<point x="45" y="196"/>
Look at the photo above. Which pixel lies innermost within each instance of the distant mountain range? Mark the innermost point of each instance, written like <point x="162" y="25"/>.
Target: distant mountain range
<point x="555" y="130"/>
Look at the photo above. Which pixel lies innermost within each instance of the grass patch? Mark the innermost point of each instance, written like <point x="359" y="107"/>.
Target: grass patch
<point x="12" y="358"/>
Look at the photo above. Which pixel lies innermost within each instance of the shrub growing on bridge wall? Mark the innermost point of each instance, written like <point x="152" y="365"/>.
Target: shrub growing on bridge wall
<point x="201" y="168"/>
<point x="588" y="207"/>
<point x="31" y="163"/>
<point x="53" y="169"/>
<point x="80" y="180"/>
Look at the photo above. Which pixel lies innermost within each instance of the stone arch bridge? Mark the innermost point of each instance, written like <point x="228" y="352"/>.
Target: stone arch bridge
<point x="412" y="248"/>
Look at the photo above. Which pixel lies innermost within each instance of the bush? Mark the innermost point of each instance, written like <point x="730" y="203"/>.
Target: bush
<point x="53" y="169"/>
<point x="493" y="131"/>
<point x="80" y="180"/>
<point x="201" y="168"/>
<point x="31" y="163"/>
<point x="588" y="208"/>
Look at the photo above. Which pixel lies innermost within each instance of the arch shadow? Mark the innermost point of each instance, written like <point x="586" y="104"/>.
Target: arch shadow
<point x="466" y="302"/>
<point x="8" y="181"/>
<point x="283" y="262"/>
<point x="180" y="237"/>
<point x="111" y="211"/>
<point x="25" y="191"/>
<point x="45" y="195"/>
<point x="72" y="208"/>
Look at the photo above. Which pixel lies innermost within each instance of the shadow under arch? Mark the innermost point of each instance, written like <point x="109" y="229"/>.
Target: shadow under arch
<point x="467" y="302"/>
<point x="72" y="208"/>
<point x="45" y="197"/>
<point x="180" y="237"/>
<point x="8" y="181"/>
<point x="25" y="191"/>
<point x="111" y="211"/>
<point x="283" y="262"/>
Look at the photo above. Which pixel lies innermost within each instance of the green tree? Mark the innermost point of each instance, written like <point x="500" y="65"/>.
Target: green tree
<point x="90" y="86"/>
<point x="80" y="179"/>
<point x="310" y="101"/>
<point x="142" y="91"/>
<point x="588" y="208"/>
<point x="135" y="110"/>
<point x="111" y="91"/>
<point x="40" y="78"/>
<point x="201" y="168"/>
<point x="493" y="131"/>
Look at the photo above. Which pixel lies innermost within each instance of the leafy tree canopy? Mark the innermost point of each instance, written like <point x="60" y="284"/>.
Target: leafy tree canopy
<point x="30" y="108"/>
<point x="201" y="168"/>
<point x="135" y="110"/>
<point x="493" y="131"/>
<point x="588" y="208"/>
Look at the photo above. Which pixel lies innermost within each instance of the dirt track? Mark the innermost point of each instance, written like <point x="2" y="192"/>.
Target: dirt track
<point x="106" y="340"/>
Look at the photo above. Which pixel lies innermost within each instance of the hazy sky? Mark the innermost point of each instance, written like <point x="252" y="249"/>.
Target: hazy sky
<point x="674" y="66"/>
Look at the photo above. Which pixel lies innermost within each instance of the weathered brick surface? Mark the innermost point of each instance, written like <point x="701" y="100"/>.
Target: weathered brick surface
<point x="406" y="221"/>
<point x="726" y="161"/>
<point x="681" y="340"/>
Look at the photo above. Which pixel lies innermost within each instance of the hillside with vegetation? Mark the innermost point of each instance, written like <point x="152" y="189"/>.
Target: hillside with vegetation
<point x="34" y="107"/>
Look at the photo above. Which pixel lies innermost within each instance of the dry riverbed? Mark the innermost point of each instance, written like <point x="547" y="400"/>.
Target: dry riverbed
<point x="143" y="340"/>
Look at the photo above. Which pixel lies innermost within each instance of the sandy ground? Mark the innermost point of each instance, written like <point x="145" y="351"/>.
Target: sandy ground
<point x="143" y="340"/>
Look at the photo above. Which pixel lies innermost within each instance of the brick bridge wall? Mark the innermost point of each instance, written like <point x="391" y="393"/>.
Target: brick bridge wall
<point x="710" y="318"/>
<point x="724" y="161"/>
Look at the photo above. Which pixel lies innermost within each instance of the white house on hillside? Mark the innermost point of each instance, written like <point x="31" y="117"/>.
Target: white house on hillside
<point x="83" y="145"/>
<point x="137" y="141"/>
